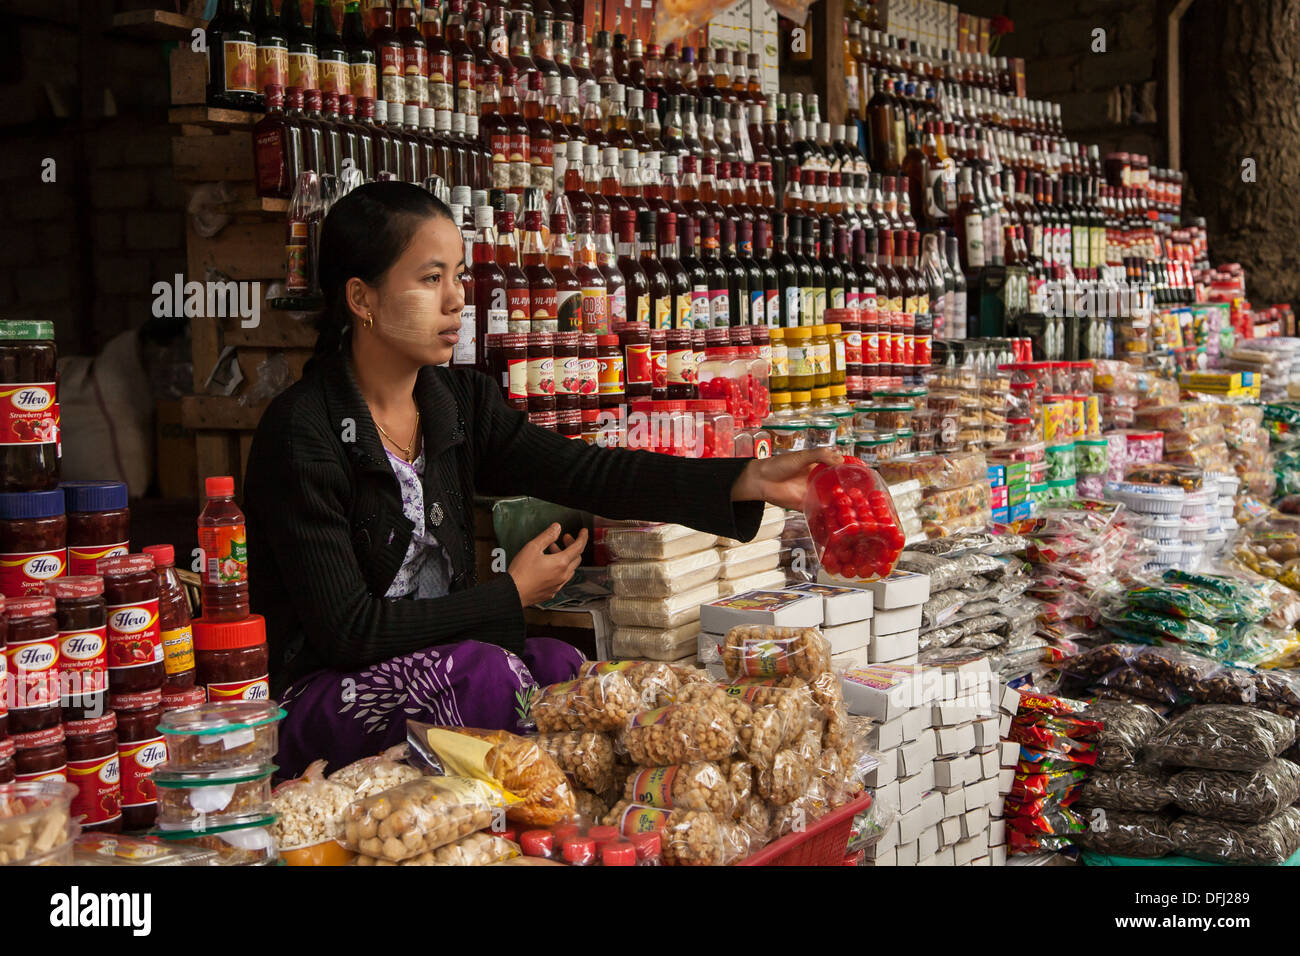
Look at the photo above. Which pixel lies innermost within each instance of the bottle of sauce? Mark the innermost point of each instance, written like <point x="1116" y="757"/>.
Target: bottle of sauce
<point x="225" y="553"/>
<point x="173" y="620"/>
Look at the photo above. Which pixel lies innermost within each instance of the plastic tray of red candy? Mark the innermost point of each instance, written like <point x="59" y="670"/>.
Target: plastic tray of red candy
<point x="852" y="520"/>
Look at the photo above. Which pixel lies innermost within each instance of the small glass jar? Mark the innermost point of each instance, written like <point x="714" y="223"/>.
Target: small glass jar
<point x="638" y="367"/>
<point x="569" y="423"/>
<point x="801" y="403"/>
<point x="541" y="372"/>
<point x="547" y="420"/>
<point x="568" y="371"/>
<point x="613" y="390"/>
<point x="190" y="697"/>
<point x="590" y="425"/>
<point x="839" y="352"/>
<point x="82" y="618"/>
<point x="819" y="346"/>
<point x="821" y="400"/>
<point x="99" y="522"/>
<point x="135" y="651"/>
<point x="659" y="364"/>
<point x="589" y="368"/>
<point x="800" y="375"/>
<point x="141" y="749"/>
<point x="29" y="426"/>
<point x="40" y="755"/>
<point x="33" y="541"/>
<point x="822" y="432"/>
<point x="514" y="372"/>
<point x="231" y="659"/>
<point x="94" y="768"/>
<point x="681" y="364"/>
<point x="780" y="405"/>
<point x="779" y="376"/>
<point x="32" y="659"/>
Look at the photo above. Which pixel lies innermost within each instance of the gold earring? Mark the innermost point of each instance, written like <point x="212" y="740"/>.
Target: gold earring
<point x="368" y="321"/>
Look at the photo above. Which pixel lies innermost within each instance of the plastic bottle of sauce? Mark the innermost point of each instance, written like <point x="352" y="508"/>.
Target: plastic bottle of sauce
<point x="173" y="620"/>
<point x="225" y="553"/>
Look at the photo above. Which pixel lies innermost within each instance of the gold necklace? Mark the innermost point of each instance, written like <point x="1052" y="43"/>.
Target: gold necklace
<point x="407" y="449"/>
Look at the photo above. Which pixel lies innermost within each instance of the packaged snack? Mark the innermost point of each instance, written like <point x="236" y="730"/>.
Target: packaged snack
<point x="664" y="612"/>
<point x="760" y="731"/>
<point x="477" y="849"/>
<point x="603" y="702"/>
<point x="641" y="579"/>
<point x="587" y="756"/>
<point x="309" y="813"/>
<point x="1052" y="820"/>
<point x="216" y="735"/>
<point x="936" y="472"/>
<point x="768" y="651"/>
<point x="1235" y="795"/>
<point x="35" y="819"/>
<point x="656" y="683"/>
<point x="852" y="520"/>
<point x="119" y="849"/>
<point x="372" y="775"/>
<point x="690" y="786"/>
<point x="656" y="542"/>
<point x="1232" y="599"/>
<point x="1091" y="457"/>
<point x="687" y="837"/>
<point x="748" y="559"/>
<point x="770" y="526"/>
<point x="680" y="733"/>
<point x="1144" y="789"/>
<point x="1117" y="832"/>
<point x="1173" y="598"/>
<point x="1125" y="729"/>
<point x="1270" y="842"/>
<point x="656" y="643"/>
<point x="1222" y="737"/>
<point x="421" y="815"/>
<point x="199" y="799"/>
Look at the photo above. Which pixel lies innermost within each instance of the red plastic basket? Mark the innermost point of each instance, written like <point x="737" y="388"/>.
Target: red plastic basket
<point x="825" y="843"/>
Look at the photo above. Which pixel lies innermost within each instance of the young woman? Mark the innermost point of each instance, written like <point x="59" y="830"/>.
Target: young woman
<point x="359" y="490"/>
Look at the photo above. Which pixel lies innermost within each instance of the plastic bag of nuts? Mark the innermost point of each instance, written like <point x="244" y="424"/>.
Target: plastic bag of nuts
<point x="1222" y="737"/>
<point x="1142" y="789"/>
<point x="421" y="815"/>
<point x="1273" y="841"/>
<point x="797" y="815"/>
<point x="680" y="733"/>
<point x="1236" y="795"/>
<point x="308" y="810"/>
<point x="790" y="695"/>
<point x="787" y="780"/>
<point x="602" y="702"/>
<point x="586" y="756"/>
<point x="1127" y="833"/>
<point x="687" y="837"/>
<point x="656" y="682"/>
<point x="1125" y="729"/>
<point x="477" y="849"/>
<point x="761" y="650"/>
<point x="690" y="786"/>
<point x="760" y="730"/>
<point x="740" y="775"/>
<point x="372" y="775"/>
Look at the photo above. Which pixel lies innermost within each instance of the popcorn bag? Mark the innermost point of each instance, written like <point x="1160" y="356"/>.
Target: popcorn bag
<point x="853" y="521"/>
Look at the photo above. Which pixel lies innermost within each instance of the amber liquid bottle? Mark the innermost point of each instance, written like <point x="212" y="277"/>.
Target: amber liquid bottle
<point x="542" y="288"/>
<point x="636" y="283"/>
<point x="661" y="292"/>
<point x="490" y="301"/>
<point x="568" y="288"/>
<point x="678" y="280"/>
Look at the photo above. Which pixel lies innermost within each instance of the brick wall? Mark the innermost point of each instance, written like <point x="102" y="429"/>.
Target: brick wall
<point x="86" y="249"/>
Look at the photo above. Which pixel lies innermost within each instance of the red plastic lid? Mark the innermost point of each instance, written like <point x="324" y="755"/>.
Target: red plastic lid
<point x="88" y="728"/>
<point x="564" y="831"/>
<point x="607" y="340"/>
<point x="647" y="845"/>
<point x="164" y="555"/>
<point x="579" y="850"/>
<point x="190" y="697"/>
<point x="223" y="635"/>
<point x="706" y="404"/>
<point x="620" y="853"/>
<point x="35" y="606"/>
<point x="77" y="586"/>
<point x="219" y="487"/>
<point x="511" y="835"/>
<point x="124" y="564"/>
<point x="603" y="834"/>
<point x="38" y="738"/>
<point x="141" y="700"/>
<point x="537" y="842"/>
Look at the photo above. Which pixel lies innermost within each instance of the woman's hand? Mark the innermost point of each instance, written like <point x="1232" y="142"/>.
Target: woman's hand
<point x="782" y="480"/>
<point x="542" y="567"/>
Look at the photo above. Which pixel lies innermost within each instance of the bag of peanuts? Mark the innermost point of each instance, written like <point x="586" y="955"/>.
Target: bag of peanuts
<point x="687" y="837"/>
<point x="600" y="702"/>
<point x="422" y="815"/>
<point x="477" y="849"/>
<point x="517" y="765"/>
<point x="688" y="786"/>
<point x="760" y="730"/>
<point x="586" y="756"/>
<point x="788" y="778"/>
<point x="655" y="682"/>
<point x="680" y="733"/>
<point x="764" y="650"/>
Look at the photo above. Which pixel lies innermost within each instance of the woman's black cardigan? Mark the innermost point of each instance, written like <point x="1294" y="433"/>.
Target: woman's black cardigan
<point x="326" y="533"/>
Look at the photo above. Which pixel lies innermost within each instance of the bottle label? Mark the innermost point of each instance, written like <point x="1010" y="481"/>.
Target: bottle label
<point x="757" y="308"/>
<point x="909" y="348"/>
<point x="896" y="339"/>
<point x="923" y="350"/>
<point x="654" y="787"/>
<point x="684" y="317"/>
<point x="836" y="298"/>
<point x="642" y="309"/>
<point x="799" y="360"/>
<point x="272" y="67"/>
<point x="568" y="310"/>
<point x="28" y="414"/>
<point x="133" y="636"/>
<point x="793" y="310"/>
<point x="852" y="343"/>
<point x="641" y="819"/>
<point x="974" y="241"/>
<point x="225" y="554"/>
<point x="719" y="308"/>
<point x="939" y="181"/>
<point x="618" y="305"/>
<point x="772" y="308"/>
<point x="85" y="560"/>
<point x="295" y="254"/>
<point x="780" y="361"/>
<point x="590" y="375"/>
<point x="568" y="376"/>
<point x="520" y="172"/>
<point x="821" y="358"/>
<point x="241" y="66"/>
<point x="500" y="144"/>
<point x="138" y="759"/>
<point x="465" y="351"/>
<point x="541" y="160"/>
<point x="541" y="377"/>
<point x="178" y="650"/>
<point x="663" y="313"/>
<point x="333" y="76"/>
<point x="26" y="572"/>
<point x="839" y="351"/>
<point x="701" y="317"/>
<point x="911" y="305"/>
<point x="808" y="306"/>
<point x="33" y="668"/>
<point x="364" y="80"/>
<point x="638" y="368"/>
<point x="853" y="299"/>
<point x="871" y="347"/>
<point x="610" y="371"/>
<point x="516" y="378"/>
<point x="99" y="788"/>
<point x="658" y="369"/>
<point x="681" y="366"/>
<point x="269" y="160"/>
<point x="303" y="71"/>
<point x="595" y="311"/>
<point x="519" y="305"/>
<point x="819" y="306"/>
<point x="258" y="688"/>
<point x="542" y="303"/>
<point x="83" y="660"/>
<point x="415" y="66"/>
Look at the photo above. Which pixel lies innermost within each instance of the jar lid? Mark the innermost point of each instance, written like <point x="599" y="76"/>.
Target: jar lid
<point x="7" y="748"/>
<point x="164" y="555"/>
<point x="536" y="842"/>
<point x="214" y="718"/>
<point x="618" y="853"/>
<point x="124" y="564"/>
<point x="798" y="332"/>
<point x="16" y="505"/>
<point x="77" y="586"/>
<point x="35" y="606"/>
<point x="224" y="635"/>
<point x="92" y="726"/>
<point x="776" y="333"/>
<point x="607" y="340"/>
<point x="801" y="397"/>
<point x="39" y="738"/>
<point x="219" y="486"/>
<point x="189" y="697"/>
<point x="647" y="845"/>
<point x="26" y="330"/>
<point x="603" y="834"/>
<point x="140" y="700"/>
<point x="94" y="495"/>
<point x="220" y="776"/>
<point x="579" y="850"/>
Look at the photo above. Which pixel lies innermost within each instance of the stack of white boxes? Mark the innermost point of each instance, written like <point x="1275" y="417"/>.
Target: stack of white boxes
<point x="846" y="621"/>
<point x="780" y="608"/>
<point x="896" y="616"/>
<point x="751" y="27"/>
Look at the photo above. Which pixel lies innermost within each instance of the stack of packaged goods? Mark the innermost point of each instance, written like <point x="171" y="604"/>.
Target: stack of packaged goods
<point x="907" y="502"/>
<point x="1192" y="434"/>
<point x="1181" y="538"/>
<point x="776" y="608"/>
<point x="847" y="621"/>
<point x="1275" y="360"/>
<point x="1017" y="473"/>
<point x="954" y="490"/>
<point x="753" y="565"/>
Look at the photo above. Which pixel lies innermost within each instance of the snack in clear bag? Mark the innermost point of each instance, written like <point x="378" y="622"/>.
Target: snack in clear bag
<point x="477" y="849"/>
<point x="656" y="542"/>
<point x="761" y="650"/>
<point x="740" y="776"/>
<point x="852" y="520"/>
<point x="796" y="816"/>
<point x="773" y="580"/>
<point x="746" y="560"/>
<point x="587" y="756"/>
<point x="679" y="733"/>
<point x="701" y="785"/>
<point x="671" y="611"/>
<point x="309" y="810"/>
<point x="755" y="815"/>
<point x="936" y="472"/>
<point x="1117" y="832"/>
<point x="656" y="683"/>
<point x="760" y="730"/>
<point x="1180" y="416"/>
<point x="605" y="702"/>
<point x="421" y="815"/>
<point x="687" y="837"/>
<point x="791" y="696"/>
<point x="641" y="579"/>
<point x="656" y="643"/>
<point x="786" y="780"/>
<point x="1271" y="842"/>
<point x="1222" y="737"/>
<point x="1143" y="789"/>
<point x="1232" y="599"/>
<point x="518" y="765"/>
<point x="1235" y="795"/>
<point x="590" y="806"/>
<point x="372" y="775"/>
<point x="1125" y="730"/>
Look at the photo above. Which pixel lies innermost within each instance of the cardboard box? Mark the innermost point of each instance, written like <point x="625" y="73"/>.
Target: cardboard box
<point x="848" y="637"/>
<point x="910" y="825"/>
<point x="914" y="724"/>
<point x="900" y="589"/>
<point x="886" y="691"/>
<point x="1022" y="511"/>
<point x="840" y="605"/>
<point x="974" y="822"/>
<point x="888" y="648"/>
<point x="955" y="741"/>
<point x="981" y="861"/>
<point x="848" y="660"/>
<point x="915" y="756"/>
<point x="986" y="732"/>
<point x="950" y="831"/>
<point x="782" y="608"/>
<point x="1008" y="753"/>
<point x="1010" y="701"/>
<point x="886" y="735"/>
<point x="967" y="850"/>
<point x="997" y="807"/>
<point x="913" y="788"/>
<point x="907" y="854"/>
<point x="889" y="858"/>
<point x="1004" y="726"/>
<point x="950" y="772"/>
<point x="997" y="856"/>
<point x="884" y="772"/>
<point x="1006" y="780"/>
<point x="945" y="856"/>
<point x="932" y="808"/>
<point x="997" y="832"/>
<point x="954" y="800"/>
<point x="989" y="765"/>
<point x="927" y="845"/>
<point x="952" y="713"/>
<point x="893" y="620"/>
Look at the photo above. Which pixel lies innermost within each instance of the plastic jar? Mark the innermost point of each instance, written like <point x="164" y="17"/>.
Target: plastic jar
<point x="715" y="428"/>
<point x="40" y="755"/>
<point x="569" y="423"/>
<point x="33" y="541"/>
<point x="82" y="618"/>
<point x="231" y="659"/>
<point x="789" y="435"/>
<point x="99" y="522"/>
<point x="589" y="371"/>
<point x="779" y="368"/>
<point x="173" y="620"/>
<point x="756" y="385"/>
<point x="839" y="352"/>
<point x="541" y="372"/>
<point x="32" y="661"/>
<point x="135" y="651"/>
<point x="94" y="769"/>
<point x="190" y="697"/>
<point x="681" y="364"/>
<point x="822" y="432"/>
<point x="547" y="420"/>
<point x="659" y="364"/>
<point x="514" y="371"/>
<point x="8" y="772"/>
<point x="567" y="371"/>
<point x="799" y="358"/>
<point x="141" y="749"/>
<point x="903" y="442"/>
<point x="29" y="417"/>
<point x="613" y="390"/>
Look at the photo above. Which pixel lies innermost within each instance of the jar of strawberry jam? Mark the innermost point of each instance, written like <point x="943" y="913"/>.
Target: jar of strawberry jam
<point x="29" y="415"/>
<point x="135" y="650"/>
<point x="99" y="522"/>
<point x="32" y="659"/>
<point x="141" y="749"/>
<point x="40" y="755"/>
<point x="82" y="617"/>
<point x="33" y="541"/>
<point x="93" y="768"/>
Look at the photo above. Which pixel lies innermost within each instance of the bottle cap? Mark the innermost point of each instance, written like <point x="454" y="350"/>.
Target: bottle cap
<point x="164" y="555"/>
<point x="31" y="504"/>
<point x="224" y="635"/>
<point x="94" y="495"/>
<point x="219" y="487"/>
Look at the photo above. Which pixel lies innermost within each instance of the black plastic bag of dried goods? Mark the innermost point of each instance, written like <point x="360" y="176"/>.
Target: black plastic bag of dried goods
<point x="1126" y="833"/>
<point x="1125" y="728"/>
<point x="1270" y="842"/>
<point x="1099" y="661"/>
<point x="1240" y="796"/>
<point x="1222" y="737"/>
<point x="1142" y="789"/>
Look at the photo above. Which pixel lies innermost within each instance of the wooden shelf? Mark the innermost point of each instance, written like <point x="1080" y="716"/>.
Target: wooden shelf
<point x="261" y="207"/>
<point x="218" y="413"/>
<point x="157" y="24"/>
<point x="212" y="118"/>
<point x="277" y="330"/>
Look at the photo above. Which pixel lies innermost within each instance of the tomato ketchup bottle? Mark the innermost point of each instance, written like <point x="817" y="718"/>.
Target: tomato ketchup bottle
<point x="224" y="547"/>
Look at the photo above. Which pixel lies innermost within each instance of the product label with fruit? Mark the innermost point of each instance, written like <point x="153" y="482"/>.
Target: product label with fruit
<point x="26" y="573"/>
<point x="225" y="554"/>
<point x="35" y="668"/>
<point x="99" y="788"/>
<point x="134" y="639"/>
<point x="29" y="414"/>
<point x="138" y="760"/>
<point x="83" y="660"/>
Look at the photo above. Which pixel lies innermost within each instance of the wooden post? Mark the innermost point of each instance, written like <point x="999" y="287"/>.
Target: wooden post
<point x="1173" y="81"/>
<point x="828" y="59"/>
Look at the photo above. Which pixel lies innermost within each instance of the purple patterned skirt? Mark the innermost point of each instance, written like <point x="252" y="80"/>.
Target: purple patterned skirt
<point x="343" y="716"/>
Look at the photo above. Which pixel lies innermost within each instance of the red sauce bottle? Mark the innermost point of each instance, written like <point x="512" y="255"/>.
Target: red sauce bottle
<point x="173" y="620"/>
<point x="225" y="553"/>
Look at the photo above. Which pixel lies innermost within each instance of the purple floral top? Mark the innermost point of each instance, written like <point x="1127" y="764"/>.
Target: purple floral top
<point x="426" y="568"/>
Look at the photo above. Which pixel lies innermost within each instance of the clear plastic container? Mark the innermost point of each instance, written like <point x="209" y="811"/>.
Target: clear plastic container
<point x="656" y="643"/>
<point x="724" y="376"/>
<point x="241" y="844"/>
<point x="1060" y="462"/>
<point x="35" y="820"/>
<point x="714" y="429"/>
<point x="853" y="521"/>
<point x="822" y="432"/>
<point x="1147" y="498"/>
<point x="788" y="435"/>
<point x="202" y="799"/>
<point x="213" y="736"/>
